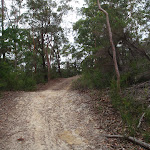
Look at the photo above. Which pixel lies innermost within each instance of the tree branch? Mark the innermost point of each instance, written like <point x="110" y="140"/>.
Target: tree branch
<point x="131" y="139"/>
<point x="141" y="119"/>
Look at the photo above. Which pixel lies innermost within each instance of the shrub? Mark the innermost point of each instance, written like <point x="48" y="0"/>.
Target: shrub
<point x="39" y="77"/>
<point x="147" y="115"/>
<point x="146" y="137"/>
<point x="94" y="79"/>
<point x="15" y="80"/>
<point x="130" y="110"/>
<point x="20" y="81"/>
<point x="80" y="84"/>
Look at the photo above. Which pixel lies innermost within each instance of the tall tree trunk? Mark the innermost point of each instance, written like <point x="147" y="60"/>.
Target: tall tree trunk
<point x="48" y="62"/>
<point x="43" y="54"/>
<point x="58" y="62"/>
<point x="34" y="53"/>
<point x="112" y="45"/>
<point x="2" y="2"/>
<point x="15" y="52"/>
<point x="47" y="56"/>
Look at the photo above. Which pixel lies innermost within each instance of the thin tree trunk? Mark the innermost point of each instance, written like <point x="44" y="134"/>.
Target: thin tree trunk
<point x="112" y="45"/>
<point x="58" y="62"/>
<point x="15" y="55"/>
<point x="48" y="62"/>
<point x="34" y="54"/>
<point x="43" y="54"/>
<point x="47" y="55"/>
<point x="2" y="2"/>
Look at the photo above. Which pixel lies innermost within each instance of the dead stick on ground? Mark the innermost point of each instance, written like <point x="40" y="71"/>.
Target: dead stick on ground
<point x="132" y="139"/>
<point x="141" y="119"/>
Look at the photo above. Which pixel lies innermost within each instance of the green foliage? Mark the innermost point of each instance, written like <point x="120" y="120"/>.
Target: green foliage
<point x="20" y="81"/>
<point x="54" y="73"/>
<point x="38" y="77"/>
<point x="146" y="137"/>
<point x="130" y="110"/>
<point x="92" y="37"/>
<point x="97" y="79"/>
<point x="4" y="74"/>
<point x="138" y="71"/>
<point x="70" y="69"/>
<point x="92" y="79"/>
<point x="93" y="75"/>
<point x="15" y="80"/>
<point x="80" y="84"/>
<point x="147" y="115"/>
<point x="125" y="79"/>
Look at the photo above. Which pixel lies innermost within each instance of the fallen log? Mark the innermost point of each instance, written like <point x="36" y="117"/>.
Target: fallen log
<point x="131" y="139"/>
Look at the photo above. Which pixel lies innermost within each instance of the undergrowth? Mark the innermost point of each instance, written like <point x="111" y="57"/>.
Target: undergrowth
<point x="92" y="80"/>
<point x="131" y="111"/>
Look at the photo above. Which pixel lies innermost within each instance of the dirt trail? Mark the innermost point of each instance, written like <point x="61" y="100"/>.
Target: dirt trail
<point x="51" y="119"/>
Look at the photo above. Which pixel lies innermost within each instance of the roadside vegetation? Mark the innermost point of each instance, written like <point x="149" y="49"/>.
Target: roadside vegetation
<point x="133" y="58"/>
<point x="32" y="55"/>
<point x="32" y="43"/>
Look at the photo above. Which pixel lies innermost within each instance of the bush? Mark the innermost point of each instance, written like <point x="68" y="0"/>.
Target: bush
<point x="146" y="137"/>
<point x="15" y="80"/>
<point x="39" y="77"/>
<point x="30" y="84"/>
<point x="80" y="84"/>
<point x="130" y="110"/>
<point x="147" y="115"/>
<point x="4" y="74"/>
<point x="20" y="81"/>
<point x="92" y="80"/>
<point x="138" y="71"/>
<point x="97" y="79"/>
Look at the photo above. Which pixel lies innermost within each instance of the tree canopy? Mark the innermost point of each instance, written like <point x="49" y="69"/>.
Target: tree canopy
<point x="129" y="22"/>
<point x="33" y="41"/>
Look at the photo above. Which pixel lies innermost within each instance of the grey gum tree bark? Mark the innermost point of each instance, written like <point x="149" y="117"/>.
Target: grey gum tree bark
<point x="112" y="45"/>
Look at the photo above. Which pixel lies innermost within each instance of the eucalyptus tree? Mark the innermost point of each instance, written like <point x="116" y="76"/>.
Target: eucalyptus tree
<point x="32" y="41"/>
<point x="112" y="44"/>
<point x="45" y="19"/>
<point x="129" y="21"/>
<point x="2" y="29"/>
<point x="16" y="38"/>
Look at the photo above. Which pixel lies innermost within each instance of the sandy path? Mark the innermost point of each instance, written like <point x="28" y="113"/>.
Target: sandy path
<point x="52" y="119"/>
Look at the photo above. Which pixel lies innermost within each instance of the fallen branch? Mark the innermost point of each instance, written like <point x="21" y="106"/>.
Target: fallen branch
<point x="132" y="139"/>
<point x="141" y="119"/>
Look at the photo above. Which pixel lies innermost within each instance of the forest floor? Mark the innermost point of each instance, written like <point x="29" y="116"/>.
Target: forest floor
<point x="57" y="118"/>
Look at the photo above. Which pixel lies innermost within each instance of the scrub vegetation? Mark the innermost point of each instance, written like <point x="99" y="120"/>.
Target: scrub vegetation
<point x="111" y="52"/>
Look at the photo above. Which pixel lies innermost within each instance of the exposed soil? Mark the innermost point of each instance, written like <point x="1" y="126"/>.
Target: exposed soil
<point x="49" y="119"/>
<point x="57" y="118"/>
